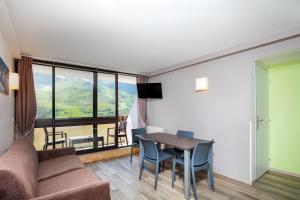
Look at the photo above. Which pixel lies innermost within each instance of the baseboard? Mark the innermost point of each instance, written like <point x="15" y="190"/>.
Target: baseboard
<point x="285" y="172"/>
<point x="105" y="155"/>
<point x="232" y="179"/>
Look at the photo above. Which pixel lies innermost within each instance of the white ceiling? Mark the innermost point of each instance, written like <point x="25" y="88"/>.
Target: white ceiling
<point x="143" y="35"/>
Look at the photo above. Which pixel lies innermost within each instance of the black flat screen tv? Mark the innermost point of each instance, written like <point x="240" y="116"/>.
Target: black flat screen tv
<point x="149" y="90"/>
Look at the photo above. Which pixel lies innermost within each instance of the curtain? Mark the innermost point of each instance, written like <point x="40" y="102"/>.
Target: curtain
<point x="25" y="100"/>
<point x="142" y="105"/>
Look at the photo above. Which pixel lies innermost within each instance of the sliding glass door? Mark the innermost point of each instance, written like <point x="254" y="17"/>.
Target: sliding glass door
<point x="73" y="108"/>
<point x="106" y="108"/>
<point x="80" y="108"/>
<point x="43" y="91"/>
<point x="127" y="108"/>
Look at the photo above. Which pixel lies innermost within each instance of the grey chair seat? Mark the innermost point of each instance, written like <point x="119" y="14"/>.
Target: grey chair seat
<point x="161" y="157"/>
<point x="196" y="167"/>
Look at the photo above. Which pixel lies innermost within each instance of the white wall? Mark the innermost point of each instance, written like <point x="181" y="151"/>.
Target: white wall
<point x="224" y="113"/>
<point x="6" y="103"/>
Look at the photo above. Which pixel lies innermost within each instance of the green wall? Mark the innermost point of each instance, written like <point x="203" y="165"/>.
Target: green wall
<point x="284" y="108"/>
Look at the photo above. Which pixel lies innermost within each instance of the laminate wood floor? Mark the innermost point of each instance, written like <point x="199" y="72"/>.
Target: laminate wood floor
<point x="124" y="183"/>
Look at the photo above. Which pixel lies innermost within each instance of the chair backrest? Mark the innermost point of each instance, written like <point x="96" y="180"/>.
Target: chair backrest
<point x="149" y="149"/>
<point x="187" y="134"/>
<point x="122" y="126"/>
<point x="135" y="132"/>
<point x="200" y="154"/>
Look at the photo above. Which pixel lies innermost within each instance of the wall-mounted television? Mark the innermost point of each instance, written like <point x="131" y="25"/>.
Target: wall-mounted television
<point x="149" y="90"/>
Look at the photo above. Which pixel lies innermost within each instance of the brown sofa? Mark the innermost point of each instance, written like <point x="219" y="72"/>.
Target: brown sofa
<point x="47" y="175"/>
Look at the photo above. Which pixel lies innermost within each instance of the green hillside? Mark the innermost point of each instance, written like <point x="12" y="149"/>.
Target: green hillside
<point x="74" y="97"/>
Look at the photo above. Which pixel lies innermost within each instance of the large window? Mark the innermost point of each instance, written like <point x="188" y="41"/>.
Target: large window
<point x="77" y="107"/>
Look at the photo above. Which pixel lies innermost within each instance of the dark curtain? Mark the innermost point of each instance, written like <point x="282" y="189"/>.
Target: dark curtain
<point x="142" y="104"/>
<point x="25" y="100"/>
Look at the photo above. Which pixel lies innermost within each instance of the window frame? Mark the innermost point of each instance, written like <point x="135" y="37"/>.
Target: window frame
<point x="94" y="120"/>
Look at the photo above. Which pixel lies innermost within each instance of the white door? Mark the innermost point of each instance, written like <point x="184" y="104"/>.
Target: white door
<point x="262" y="120"/>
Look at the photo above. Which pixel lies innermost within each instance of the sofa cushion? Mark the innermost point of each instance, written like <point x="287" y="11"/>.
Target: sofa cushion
<point x="18" y="171"/>
<point x="57" y="166"/>
<point x="67" y="181"/>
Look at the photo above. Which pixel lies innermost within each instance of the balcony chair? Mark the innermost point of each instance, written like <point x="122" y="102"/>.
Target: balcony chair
<point x="122" y="126"/>
<point x="62" y="140"/>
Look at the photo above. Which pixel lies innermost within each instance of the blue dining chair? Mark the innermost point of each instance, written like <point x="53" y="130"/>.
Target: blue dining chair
<point x="178" y="152"/>
<point x="151" y="154"/>
<point x="200" y="161"/>
<point x="181" y="133"/>
<point x="135" y="139"/>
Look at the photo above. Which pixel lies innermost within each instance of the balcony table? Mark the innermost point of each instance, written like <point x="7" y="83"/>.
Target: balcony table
<point x="84" y="139"/>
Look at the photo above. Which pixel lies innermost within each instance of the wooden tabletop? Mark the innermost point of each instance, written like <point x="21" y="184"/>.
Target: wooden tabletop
<point x="174" y="140"/>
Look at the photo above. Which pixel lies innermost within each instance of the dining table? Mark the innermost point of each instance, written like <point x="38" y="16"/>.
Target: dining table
<point x="187" y="145"/>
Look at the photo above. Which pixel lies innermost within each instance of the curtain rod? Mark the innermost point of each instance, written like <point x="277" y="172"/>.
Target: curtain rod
<point x="76" y="66"/>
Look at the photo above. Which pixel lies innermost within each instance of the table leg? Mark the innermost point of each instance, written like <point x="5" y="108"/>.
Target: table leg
<point x="187" y="173"/>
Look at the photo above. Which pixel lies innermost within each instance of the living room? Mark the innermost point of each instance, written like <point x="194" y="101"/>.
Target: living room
<point x="148" y="99"/>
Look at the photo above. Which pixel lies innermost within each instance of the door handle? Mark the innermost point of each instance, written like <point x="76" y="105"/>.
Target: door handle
<point x="258" y="122"/>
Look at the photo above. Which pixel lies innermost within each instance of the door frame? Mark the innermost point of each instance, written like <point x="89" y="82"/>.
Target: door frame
<point x="253" y="125"/>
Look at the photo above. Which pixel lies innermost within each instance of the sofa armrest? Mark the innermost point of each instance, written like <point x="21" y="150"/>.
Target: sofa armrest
<point x="53" y="153"/>
<point x="98" y="191"/>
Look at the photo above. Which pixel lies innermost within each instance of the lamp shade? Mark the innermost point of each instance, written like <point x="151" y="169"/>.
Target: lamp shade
<point x="201" y="84"/>
<point x="14" y="81"/>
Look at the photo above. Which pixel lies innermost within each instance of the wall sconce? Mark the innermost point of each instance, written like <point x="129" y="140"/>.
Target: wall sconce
<point x="14" y="81"/>
<point x="201" y="84"/>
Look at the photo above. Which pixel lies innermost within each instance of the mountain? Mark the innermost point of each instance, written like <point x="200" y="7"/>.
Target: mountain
<point x="74" y="97"/>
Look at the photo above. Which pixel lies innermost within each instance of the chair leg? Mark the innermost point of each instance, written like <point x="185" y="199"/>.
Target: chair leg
<point x="120" y="141"/>
<point x="210" y="176"/>
<point x="107" y="136"/>
<point x="156" y="175"/>
<point x="159" y="167"/>
<point x="131" y="154"/>
<point x="141" y="168"/>
<point x="194" y="184"/>
<point x="126" y="138"/>
<point x="173" y="172"/>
